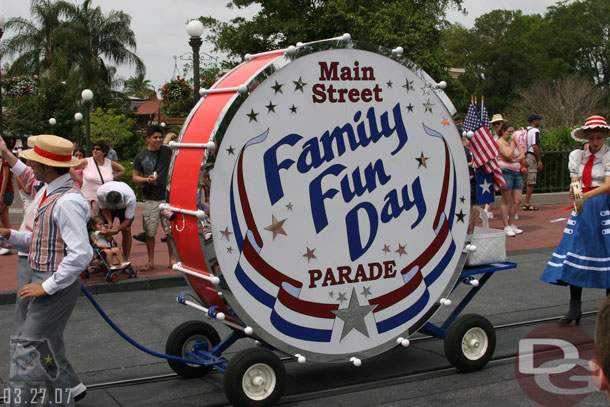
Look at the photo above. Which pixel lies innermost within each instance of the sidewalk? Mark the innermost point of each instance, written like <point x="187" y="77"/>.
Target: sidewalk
<point x="161" y="276"/>
<point x="538" y="232"/>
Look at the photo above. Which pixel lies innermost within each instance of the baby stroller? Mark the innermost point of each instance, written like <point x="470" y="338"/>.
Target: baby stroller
<point x="100" y="264"/>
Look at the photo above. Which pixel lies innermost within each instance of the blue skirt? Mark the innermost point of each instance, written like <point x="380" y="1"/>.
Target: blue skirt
<point x="583" y="256"/>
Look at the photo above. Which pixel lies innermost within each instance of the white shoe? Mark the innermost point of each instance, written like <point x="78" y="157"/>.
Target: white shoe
<point x="516" y="217"/>
<point x="4" y="251"/>
<point x="516" y="229"/>
<point x="509" y="231"/>
<point x="490" y="214"/>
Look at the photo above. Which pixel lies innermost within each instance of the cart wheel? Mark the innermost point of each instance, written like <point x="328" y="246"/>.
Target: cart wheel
<point x="470" y="342"/>
<point x="183" y="339"/>
<point x="254" y="377"/>
<point x="112" y="277"/>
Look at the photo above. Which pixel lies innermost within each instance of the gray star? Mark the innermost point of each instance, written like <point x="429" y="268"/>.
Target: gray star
<point x="293" y="109"/>
<point x="231" y="150"/>
<point x="389" y="83"/>
<point x="270" y="107"/>
<point x="353" y="316"/>
<point x="277" y="88"/>
<point x="298" y="85"/>
<point x="341" y="298"/>
<point x="366" y="291"/>
<point x="428" y="106"/>
<point x="331" y="294"/>
<point x="252" y="116"/>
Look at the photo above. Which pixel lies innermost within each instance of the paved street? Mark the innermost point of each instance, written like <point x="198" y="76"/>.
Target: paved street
<point x="419" y="375"/>
<point x="99" y="355"/>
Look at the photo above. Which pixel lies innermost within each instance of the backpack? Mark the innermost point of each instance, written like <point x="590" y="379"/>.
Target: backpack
<point x="521" y="137"/>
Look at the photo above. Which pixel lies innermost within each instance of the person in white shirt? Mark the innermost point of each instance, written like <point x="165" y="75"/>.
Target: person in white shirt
<point x="117" y="199"/>
<point x="533" y="162"/>
<point x="58" y="251"/>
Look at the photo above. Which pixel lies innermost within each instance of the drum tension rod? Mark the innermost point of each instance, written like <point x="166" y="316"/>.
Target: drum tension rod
<point x="198" y="213"/>
<point x="211" y="279"/>
<point x="209" y="145"/>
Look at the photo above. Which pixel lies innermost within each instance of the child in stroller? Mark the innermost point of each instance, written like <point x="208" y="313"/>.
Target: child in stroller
<point x="105" y="251"/>
<point x="96" y="234"/>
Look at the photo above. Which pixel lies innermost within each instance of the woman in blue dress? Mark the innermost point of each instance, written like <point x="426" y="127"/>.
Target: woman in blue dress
<point x="582" y="258"/>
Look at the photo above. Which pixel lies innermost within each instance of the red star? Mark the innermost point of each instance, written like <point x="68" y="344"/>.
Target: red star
<point x="401" y="250"/>
<point x="225" y="233"/>
<point x="276" y="227"/>
<point x="310" y="254"/>
<point x="386" y="249"/>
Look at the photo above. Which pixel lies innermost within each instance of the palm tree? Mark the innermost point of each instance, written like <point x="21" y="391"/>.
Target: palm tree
<point x="100" y="38"/>
<point x="38" y="42"/>
<point x="139" y="87"/>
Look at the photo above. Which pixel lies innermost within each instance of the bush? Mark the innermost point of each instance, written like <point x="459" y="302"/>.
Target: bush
<point x="558" y="138"/>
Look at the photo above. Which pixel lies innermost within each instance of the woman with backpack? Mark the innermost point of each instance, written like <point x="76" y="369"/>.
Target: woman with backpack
<point x="509" y="161"/>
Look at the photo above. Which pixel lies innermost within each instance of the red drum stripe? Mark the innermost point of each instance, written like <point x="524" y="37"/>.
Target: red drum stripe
<point x="265" y="269"/>
<point x="312" y="309"/>
<point x="245" y="204"/>
<point x="393" y="297"/>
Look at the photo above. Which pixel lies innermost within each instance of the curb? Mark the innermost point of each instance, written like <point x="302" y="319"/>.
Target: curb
<point x="133" y="284"/>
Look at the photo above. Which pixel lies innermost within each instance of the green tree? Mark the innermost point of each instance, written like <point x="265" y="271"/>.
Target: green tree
<point x="38" y="43"/>
<point x="579" y="35"/>
<point x="413" y="24"/>
<point x="118" y="128"/>
<point x="99" y="38"/>
<point x="139" y="87"/>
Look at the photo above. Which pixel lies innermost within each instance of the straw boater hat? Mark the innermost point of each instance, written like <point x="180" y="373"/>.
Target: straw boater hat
<point x="51" y="150"/>
<point x="496" y="118"/>
<point x="593" y="122"/>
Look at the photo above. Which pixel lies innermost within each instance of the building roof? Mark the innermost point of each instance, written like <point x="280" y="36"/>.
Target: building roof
<point x="149" y="107"/>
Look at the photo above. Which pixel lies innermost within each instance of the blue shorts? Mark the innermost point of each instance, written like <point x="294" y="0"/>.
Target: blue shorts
<point x="8" y="199"/>
<point x="513" y="179"/>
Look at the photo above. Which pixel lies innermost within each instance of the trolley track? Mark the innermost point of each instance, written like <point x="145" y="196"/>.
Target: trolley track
<point x="337" y="390"/>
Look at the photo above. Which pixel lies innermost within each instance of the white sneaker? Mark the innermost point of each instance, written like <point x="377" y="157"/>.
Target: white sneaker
<point x="516" y="217"/>
<point x="516" y="229"/>
<point x="4" y="251"/>
<point x="509" y="231"/>
<point x="490" y="214"/>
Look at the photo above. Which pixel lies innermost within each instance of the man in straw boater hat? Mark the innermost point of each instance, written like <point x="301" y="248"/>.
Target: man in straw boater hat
<point x="58" y="251"/>
<point x="582" y="258"/>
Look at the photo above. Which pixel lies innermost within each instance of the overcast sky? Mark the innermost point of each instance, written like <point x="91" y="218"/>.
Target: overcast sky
<point x="160" y="26"/>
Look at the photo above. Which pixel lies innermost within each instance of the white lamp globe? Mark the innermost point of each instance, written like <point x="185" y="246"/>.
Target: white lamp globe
<point x="78" y="116"/>
<point x="52" y="121"/>
<point x="2" y="19"/>
<point x="87" y="95"/>
<point x="194" y="28"/>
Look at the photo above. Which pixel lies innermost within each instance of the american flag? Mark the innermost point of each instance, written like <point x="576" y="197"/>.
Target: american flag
<point x="484" y="148"/>
<point x="484" y="114"/>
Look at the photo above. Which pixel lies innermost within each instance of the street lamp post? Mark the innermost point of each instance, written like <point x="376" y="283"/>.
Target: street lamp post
<point x="2" y="21"/>
<point x="78" y="116"/>
<point x="52" y="122"/>
<point x="195" y="28"/>
<point x="87" y="95"/>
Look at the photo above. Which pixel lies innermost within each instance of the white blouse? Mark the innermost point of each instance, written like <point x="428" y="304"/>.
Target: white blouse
<point x="601" y="165"/>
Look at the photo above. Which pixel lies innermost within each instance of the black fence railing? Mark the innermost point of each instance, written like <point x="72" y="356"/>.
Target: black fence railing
<point x="555" y="176"/>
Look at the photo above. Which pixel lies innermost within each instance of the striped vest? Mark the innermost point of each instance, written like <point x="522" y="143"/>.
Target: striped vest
<point x="48" y="249"/>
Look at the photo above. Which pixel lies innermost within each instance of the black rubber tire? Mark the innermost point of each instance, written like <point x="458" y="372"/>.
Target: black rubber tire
<point x="181" y="336"/>
<point x="238" y="367"/>
<point x="476" y="327"/>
